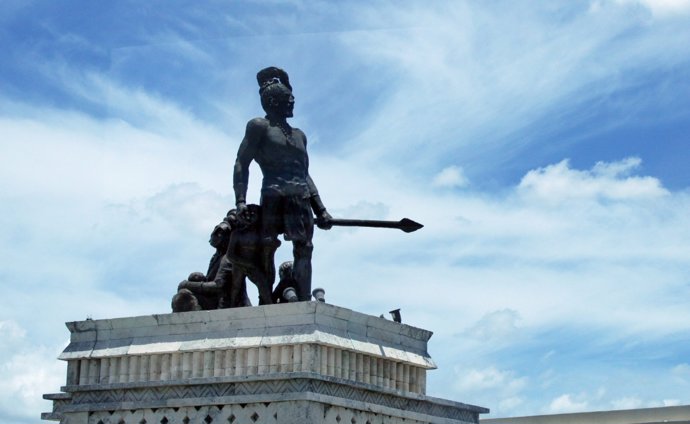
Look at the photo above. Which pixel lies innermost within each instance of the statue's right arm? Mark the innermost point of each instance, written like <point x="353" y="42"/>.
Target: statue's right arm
<point x="245" y="154"/>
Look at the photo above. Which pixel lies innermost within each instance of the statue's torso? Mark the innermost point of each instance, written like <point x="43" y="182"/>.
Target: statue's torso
<point x="283" y="162"/>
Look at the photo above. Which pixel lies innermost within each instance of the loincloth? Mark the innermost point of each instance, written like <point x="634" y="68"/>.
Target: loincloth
<point x="290" y="215"/>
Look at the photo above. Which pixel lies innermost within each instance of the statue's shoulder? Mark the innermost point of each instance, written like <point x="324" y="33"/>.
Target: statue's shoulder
<point x="299" y="132"/>
<point x="256" y="129"/>
<point x="258" y="123"/>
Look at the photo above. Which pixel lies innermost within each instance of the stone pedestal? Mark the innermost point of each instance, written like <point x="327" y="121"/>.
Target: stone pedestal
<point x="297" y="363"/>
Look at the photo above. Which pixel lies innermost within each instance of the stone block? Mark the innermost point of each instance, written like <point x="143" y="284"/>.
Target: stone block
<point x="328" y="323"/>
<point x="383" y="335"/>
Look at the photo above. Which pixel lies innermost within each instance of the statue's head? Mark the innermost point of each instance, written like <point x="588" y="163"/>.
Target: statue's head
<point x="253" y="214"/>
<point x="185" y="301"/>
<point x="220" y="235"/>
<point x="196" y="276"/>
<point x="285" y="270"/>
<point x="276" y="92"/>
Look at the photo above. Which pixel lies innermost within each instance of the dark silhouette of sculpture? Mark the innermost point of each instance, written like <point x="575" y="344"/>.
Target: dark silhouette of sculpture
<point x="184" y="301"/>
<point x="219" y="287"/>
<point x="288" y="194"/>
<point x="247" y="239"/>
<point x="286" y="280"/>
<point x="245" y="253"/>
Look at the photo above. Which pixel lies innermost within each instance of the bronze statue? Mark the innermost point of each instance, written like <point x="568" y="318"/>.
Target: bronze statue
<point x="247" y="239"/>
<point x="288" y="194"/>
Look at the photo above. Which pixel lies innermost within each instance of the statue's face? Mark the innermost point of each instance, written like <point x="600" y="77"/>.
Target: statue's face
<point x="216" y="239"/>
<point x="282" y="101"/>
<point x="285" y="270"/>
<point x="252" y="214"/>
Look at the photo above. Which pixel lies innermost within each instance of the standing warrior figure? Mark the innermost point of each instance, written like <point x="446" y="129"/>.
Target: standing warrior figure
<point x="288" y="194"/>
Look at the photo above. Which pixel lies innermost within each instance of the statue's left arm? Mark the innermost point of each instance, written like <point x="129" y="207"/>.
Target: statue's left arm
<point x="245" y="155"/>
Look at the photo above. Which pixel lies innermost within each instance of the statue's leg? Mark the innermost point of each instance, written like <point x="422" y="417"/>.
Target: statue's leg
<point x="301" y="270"/>
<point x="269" y="246"/>
<point x="237" y="278"/>
<point x="245" y="299"/>
<point x="234" y="288"/>
<point x="271" y="227"/>
<point x="224" y="281"/>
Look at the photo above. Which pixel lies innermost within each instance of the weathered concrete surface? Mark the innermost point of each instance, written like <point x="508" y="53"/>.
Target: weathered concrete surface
<point x="303" y="363"/>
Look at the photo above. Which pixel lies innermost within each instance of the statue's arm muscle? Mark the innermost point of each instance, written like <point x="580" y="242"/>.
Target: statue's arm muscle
<point x="245" y="155"/>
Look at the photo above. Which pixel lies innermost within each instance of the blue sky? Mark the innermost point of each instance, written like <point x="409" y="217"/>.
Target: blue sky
<point x="544" y="145"/>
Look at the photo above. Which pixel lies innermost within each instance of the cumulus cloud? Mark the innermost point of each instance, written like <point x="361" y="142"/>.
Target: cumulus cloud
<point x="503" y="389"/>
<point x="11" y="331"/>
<point x="497" y="324"/>
<point x="489" y="378"/>
<point x="627" y="403"/>
<point x="604" y="180"/>
<point x="566" y="403"/>
<point x="28" y="369"/>
<point x="450" y="177"/>
<point x="682" y="371"/>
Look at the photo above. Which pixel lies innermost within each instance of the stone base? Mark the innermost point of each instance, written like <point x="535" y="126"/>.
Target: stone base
<point x="297" y="363"/>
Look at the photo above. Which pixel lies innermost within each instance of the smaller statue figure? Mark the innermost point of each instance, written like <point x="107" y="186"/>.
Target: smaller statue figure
<point x="195" y="294"/>
<point x="211" y="291"/>
<point x="287" y="280"/>
<point x="245" y="253"/>
<point x="185" y="301"/>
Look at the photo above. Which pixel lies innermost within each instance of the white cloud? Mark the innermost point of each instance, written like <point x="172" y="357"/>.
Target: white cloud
<point x="9" y="331"/>
<point x="28" y="370"/>
<point x="450" y="177"/>
<point x="26" y="376"/>
<point x="682" y="371"/>
<point x="488" y="378"/>
<point x="458" y="87"/>
<point x="605" y="180"/>
<point x="510" y="403"/>
<point x="627" y="403"/>
<point x="494" y="325"/>
<point x="621" y="168"/>
<point x="565" y="403"/>
<point x="662" y="8"/>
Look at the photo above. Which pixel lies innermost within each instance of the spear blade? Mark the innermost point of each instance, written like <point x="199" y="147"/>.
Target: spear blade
<point x="405" y="224"/>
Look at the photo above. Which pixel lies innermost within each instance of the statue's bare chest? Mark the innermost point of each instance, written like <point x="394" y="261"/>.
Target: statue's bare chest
<point x="277" y="146"/>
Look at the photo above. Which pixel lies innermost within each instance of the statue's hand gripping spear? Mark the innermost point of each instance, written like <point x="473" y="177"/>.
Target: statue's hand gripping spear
<point x="405" y="224"/>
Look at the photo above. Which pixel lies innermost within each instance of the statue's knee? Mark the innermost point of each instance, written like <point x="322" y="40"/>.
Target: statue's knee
<point x="270" y="242"/>
<point x="303" y="250"/>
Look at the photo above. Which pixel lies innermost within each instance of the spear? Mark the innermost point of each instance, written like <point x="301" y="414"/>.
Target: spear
<point x="407" y="225"/>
